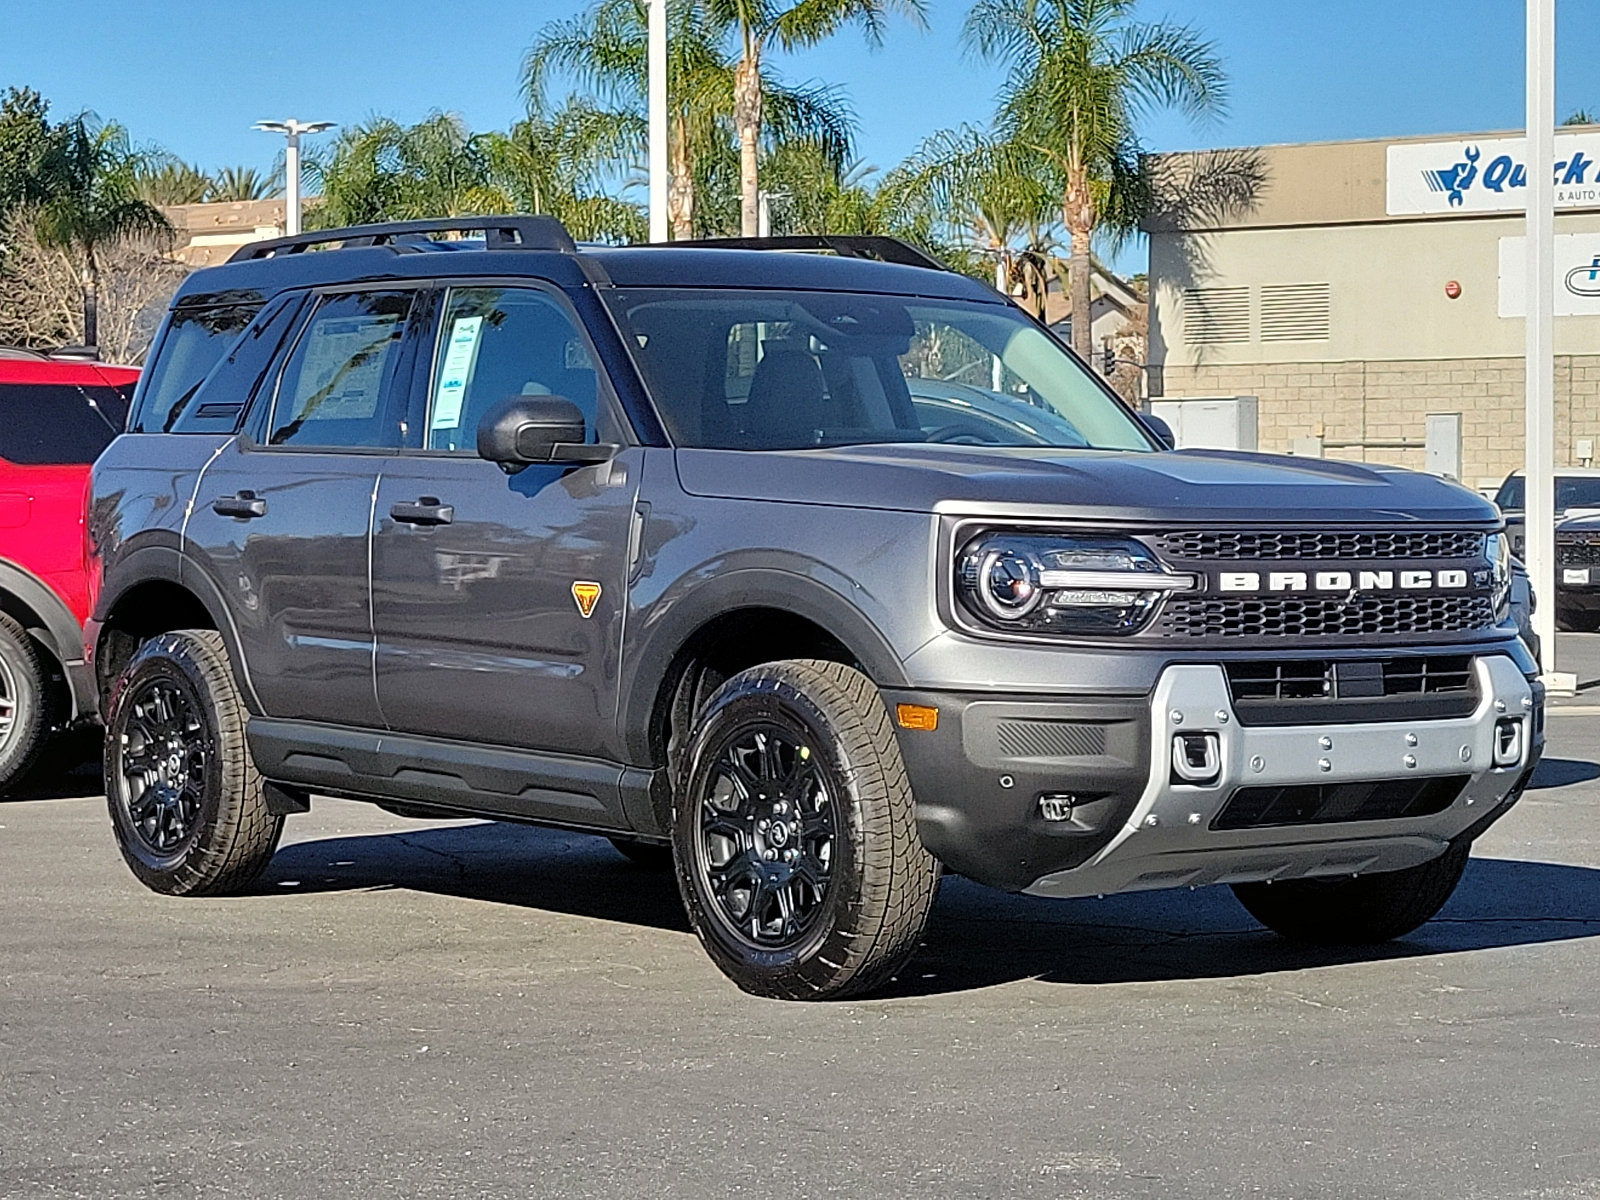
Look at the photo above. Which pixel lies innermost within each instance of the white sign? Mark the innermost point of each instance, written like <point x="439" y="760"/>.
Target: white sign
<point x="460" y="356"/>
<point x="1577" y="276"/>
<point x="1488" y="175"/>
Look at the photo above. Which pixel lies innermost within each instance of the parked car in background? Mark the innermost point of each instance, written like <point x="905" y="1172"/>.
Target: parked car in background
<point x="1577" y="489"/>
<point x="1578" y="574"/>
<point x="55" y="418"/>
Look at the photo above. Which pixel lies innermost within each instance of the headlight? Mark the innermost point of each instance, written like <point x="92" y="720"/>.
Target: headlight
<point x="1497" y="549"/>
<point x="1040" y="583"/>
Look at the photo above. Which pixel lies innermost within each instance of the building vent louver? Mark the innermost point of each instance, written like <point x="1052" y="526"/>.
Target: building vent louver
<point x="1295" y="312"/>
<point x="1216" y="316"/>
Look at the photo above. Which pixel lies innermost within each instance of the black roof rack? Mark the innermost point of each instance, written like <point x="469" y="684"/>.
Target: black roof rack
<point x="884" y="249"/>
<point x="499" y="233"/>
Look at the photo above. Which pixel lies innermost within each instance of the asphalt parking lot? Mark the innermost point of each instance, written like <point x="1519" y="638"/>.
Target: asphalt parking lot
<point x="474" y="1010"/>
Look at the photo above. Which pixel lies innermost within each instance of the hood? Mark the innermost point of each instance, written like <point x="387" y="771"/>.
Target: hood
<point x="1202" y="486"/>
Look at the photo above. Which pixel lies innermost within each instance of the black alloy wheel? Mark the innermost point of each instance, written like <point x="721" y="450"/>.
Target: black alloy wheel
<point x="165" y="758"/>
<point x="187" y="804"/>
<point x="767" y="834"/>
<point x="795" y="837"/>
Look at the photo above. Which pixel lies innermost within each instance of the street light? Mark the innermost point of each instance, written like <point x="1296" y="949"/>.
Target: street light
<point x="292" y="130"/>
<point x="656" y="70"/>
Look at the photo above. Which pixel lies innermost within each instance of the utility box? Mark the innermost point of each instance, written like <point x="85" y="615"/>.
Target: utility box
<point x="1208" y="423"/>
<point x="1442" y="448"/>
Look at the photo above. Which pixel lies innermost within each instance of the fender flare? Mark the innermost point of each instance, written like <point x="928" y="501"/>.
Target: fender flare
<point x="168" y="564"/>
<point x="63" y="635"/>
<point x="645" y="665"/>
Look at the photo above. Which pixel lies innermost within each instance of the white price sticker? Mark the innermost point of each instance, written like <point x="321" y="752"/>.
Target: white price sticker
<point x="1575" y="575"/>
<point x="460" y="356"/>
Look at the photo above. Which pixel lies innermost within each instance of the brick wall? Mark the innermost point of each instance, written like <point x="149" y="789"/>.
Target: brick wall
<point x="1355" y="402"/>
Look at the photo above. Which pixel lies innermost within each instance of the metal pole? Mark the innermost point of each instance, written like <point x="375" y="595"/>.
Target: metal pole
<point x="291" y="185"/>
<point x="657" y="90"/>
<point x="1539" y="468"/>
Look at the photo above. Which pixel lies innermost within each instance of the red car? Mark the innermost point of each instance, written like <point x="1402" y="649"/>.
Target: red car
<point x="55" y="418"/>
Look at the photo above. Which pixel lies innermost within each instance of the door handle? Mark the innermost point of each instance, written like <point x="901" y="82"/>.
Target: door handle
<point x="245" y="505"/>
<point x="424" y="511"/>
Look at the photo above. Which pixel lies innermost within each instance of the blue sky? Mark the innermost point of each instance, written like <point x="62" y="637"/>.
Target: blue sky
<point x="194" y="77"/>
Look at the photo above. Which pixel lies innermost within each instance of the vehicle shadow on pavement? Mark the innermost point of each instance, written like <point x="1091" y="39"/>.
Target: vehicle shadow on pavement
<point x="1563" y="772"/>
<point x="500" y="863"/>
<point x="978" y="937"/>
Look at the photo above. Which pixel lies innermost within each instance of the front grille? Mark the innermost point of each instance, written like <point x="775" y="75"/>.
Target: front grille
<point x="1271" y="545"/>
<point x="1304" y="691"/>
<point x="1325" y="803"/>
<point x="1205" y="616"/>
<point x="1573" y="553"/>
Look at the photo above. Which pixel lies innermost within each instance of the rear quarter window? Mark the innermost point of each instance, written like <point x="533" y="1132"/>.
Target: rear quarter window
<point x="52" y="424"/>
<point x="195" y="341"/>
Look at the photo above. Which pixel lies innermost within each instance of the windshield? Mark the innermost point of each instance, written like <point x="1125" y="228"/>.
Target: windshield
<point x="771" y="370"/>
<point x="1571" y="492"/>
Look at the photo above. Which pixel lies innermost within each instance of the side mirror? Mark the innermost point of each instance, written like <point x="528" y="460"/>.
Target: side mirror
<point x="1161" y="429"/>
<point x="524" y="430"/>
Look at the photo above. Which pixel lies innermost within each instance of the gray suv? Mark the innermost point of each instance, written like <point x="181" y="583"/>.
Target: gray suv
<point x="811" y="574"/>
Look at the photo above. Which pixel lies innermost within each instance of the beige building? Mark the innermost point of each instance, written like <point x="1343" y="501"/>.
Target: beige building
<point x="208" y="234"/>
<point x="1371" y="285"/>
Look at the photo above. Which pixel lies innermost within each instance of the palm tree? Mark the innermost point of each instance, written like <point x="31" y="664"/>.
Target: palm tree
<point x="239" y="184"/>
<point x="552" y="162"/>
<point x="1080" y="75"/>
<point x="384" y="171"/>
<point x="986" y="193"/>
<point x="759" y="24"/>
<point x="91" y="180"/>
<point x="163" y="181"/>
<point x="605" y="49"/>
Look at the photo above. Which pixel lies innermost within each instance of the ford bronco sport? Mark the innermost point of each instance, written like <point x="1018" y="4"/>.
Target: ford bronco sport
<point x="55" y="418"/>
<point x="826" y="572"/>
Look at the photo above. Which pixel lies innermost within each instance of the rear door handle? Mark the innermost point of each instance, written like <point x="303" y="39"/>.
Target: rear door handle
<point x="245" y="505"/>
<point x="425" y="511"/>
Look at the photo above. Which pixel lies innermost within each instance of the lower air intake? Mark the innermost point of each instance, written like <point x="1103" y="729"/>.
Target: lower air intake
<point x="1327" y="803"/>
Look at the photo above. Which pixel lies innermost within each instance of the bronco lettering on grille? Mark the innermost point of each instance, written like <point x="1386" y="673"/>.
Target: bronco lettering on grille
<point x="1340" y="581"/>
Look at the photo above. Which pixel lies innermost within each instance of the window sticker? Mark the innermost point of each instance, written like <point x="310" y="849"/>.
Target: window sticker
<point x="459" y="358"/>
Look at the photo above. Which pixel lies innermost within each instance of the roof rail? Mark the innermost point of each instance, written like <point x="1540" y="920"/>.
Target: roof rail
<point x="885" y="249"/>
<point x="520" y="232"/>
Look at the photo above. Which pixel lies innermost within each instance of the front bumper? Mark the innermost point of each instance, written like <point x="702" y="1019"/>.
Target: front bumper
<point x="1135" y="823"/>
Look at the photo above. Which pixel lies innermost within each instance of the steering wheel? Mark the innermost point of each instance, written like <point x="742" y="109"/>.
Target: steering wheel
<point x="957" y="435"/>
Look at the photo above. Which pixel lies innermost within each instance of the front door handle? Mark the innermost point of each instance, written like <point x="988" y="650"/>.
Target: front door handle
<point x="245" y="505"/>
<point x="424" y="511"/>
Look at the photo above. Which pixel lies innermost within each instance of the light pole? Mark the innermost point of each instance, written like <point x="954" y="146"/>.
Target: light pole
<point x="292" y="129"/>
<point x="1539" y="467"/>
<point x="657" y="120"/>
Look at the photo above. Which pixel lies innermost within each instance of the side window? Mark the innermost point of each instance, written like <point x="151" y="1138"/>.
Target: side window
<point x="50" y="423"/>
<point x="500" y="342"/>
<point x="335" y="391"/>
<point x="196" y="338"/>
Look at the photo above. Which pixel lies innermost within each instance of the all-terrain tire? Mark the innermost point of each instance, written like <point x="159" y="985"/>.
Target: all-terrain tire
<point x="1357" y="911"/>
<point x="836" y="769"/>
<point x="177" y="709"/>
<point x="25" y="701"/>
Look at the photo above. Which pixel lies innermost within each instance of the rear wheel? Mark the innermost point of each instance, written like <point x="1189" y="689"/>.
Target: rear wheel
<point x="24" y="701"/>
<point x="186" y="801"/>
<point x="795" y="834"/>
<point x="1356" y="911"/>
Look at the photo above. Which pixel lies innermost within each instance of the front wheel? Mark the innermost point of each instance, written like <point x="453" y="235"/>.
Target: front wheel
<point x="186" y="801"/>
<point x="794" y="834"/>
<point x="1360" y="910"/>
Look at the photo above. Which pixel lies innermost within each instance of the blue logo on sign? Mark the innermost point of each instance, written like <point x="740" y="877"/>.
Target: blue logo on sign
<point x="1585" y="281"/>
<point x="1457" y="179"/>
